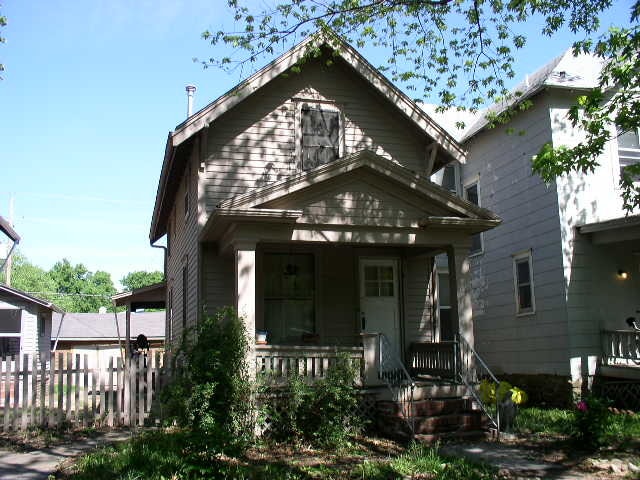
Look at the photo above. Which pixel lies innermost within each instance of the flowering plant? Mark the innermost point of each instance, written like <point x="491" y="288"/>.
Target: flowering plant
<point x="591" y="420"/>
<point x="504" y="391"/>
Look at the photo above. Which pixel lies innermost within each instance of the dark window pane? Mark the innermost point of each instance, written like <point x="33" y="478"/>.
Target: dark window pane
<point x="446" y="325"/>
<point x="476" y="243"/>
<point x="386" y="273"/>
<point x="9" y="346"/>
<point x="444" y="296"/>
<point x="629" y="140"/>
<point x="472" y="194"/>
<point x="524" y="297"/>
<point x="320" y="137"/>
<point x="370" y="273"/>
<point x="386" y="289"/>
<point x="371" y="289"/>
<point x="10" y="320"/>
<point x="522" y="268"/>
<point x="449" y="178"/>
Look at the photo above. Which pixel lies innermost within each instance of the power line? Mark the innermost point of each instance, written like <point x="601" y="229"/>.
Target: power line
<point x="102" y="295"/>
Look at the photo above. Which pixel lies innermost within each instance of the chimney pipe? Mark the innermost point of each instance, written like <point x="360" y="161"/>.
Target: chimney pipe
<point x="190" y="91"/>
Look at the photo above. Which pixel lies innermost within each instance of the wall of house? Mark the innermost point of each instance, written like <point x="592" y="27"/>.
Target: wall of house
<point x="595" y="297"/>
<point x="531" y="343"/>
<point x="255" y="142"/>
<point x="31" y="340"/>
<point x="184" y="250"/>
<point x="418" y="304"/>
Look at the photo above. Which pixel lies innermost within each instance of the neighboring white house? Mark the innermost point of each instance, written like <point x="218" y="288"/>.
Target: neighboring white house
<point x="25" y="323"/>
<point x="563" y="267"/>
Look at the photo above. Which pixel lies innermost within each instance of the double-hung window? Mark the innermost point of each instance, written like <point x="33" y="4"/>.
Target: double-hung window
<point x="471" y="194"/>
<point x="523" y="282"/>
<point x="320" y="135"/>
<point x="629" y="149"/>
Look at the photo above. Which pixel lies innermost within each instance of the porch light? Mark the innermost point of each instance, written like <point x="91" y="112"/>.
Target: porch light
<point x="623" y="274"/>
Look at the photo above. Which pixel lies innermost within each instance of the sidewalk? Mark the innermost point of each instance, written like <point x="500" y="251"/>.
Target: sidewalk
<point x="39" y="464"/>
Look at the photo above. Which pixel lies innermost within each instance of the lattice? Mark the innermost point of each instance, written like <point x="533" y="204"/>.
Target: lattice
<point x="625" y="395"/>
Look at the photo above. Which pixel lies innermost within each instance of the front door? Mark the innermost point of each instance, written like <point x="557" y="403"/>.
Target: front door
<point x="379" y="312"/>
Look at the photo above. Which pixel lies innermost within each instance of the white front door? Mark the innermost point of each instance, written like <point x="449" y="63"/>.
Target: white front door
<point x="379" y="312"/>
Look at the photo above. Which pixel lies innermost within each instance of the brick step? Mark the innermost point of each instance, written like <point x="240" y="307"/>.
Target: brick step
<point x="425" y="408"/>
<point x="457" y="422"/>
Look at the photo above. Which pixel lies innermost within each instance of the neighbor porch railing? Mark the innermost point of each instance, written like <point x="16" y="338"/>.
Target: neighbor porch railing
<point x="308" y="361"/>
<point x="620" y="347"/>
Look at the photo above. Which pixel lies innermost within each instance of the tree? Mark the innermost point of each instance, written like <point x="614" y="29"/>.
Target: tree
<point x="461" y="52"/>
<point x="139" y="279"/>
<point x="81" y="290"/>
<point x="31" y="278"/>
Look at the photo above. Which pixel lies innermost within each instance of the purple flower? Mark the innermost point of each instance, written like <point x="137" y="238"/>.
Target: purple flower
<point x="582" y="406"/>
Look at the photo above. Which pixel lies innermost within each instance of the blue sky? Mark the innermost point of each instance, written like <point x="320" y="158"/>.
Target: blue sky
<point x="90" y="91"/>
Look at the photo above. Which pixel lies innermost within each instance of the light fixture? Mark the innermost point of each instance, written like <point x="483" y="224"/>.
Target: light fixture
<point x="623" y="274"/>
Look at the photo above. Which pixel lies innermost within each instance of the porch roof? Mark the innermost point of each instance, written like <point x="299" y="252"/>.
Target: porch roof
<point x="612" y="231"/>
<point x="361" y="198"/>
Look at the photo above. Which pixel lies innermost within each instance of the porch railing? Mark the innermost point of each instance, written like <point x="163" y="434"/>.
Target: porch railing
<point x="277" y="362"/>
<point x="620" y="347"/>
<point x="434" y="359"/>
<point x="393" y="373"/>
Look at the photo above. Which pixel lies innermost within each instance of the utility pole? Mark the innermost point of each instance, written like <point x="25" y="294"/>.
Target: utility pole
<point x="9" y="261"/>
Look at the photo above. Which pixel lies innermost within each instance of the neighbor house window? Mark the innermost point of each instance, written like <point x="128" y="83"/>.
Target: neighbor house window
<point x="41" y="325"/>
<point x="523" y="279"/>
<point x="289" y="290"/>
<point x="472" y="195"/>
<point x="320" y="138"/>
<point x="629" y="149"/>
<point x="10" y="328"/>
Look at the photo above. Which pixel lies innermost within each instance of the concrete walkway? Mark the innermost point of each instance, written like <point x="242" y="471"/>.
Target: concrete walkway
<point x="517" y="462"/>
<point x="39" y="464"/>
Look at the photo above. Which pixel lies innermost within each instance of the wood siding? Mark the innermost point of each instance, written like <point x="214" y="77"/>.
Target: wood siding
<point x="533" y="343"/>
<point x="418" y="303"/>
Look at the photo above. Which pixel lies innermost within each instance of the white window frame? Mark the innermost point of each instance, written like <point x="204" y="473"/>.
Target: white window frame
<point x="632" y="150"/>
<point x="329" y="106"/>
<point x="517" y="258"/>
<point x="465" y="187"/>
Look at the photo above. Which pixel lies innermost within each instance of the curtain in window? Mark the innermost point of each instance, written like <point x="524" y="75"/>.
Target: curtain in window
<point x="320" y="137"/>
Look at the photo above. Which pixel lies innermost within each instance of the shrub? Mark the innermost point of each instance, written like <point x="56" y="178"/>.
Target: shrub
<point x="211" y="392"/>
<point x="591" y="421"/>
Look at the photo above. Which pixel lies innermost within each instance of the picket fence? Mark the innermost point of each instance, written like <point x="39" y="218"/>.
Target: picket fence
<point x="66" y="391"/>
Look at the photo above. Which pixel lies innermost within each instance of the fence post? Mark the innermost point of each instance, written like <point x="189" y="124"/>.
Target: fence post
<point x="8" y="363"/>
<point x="25" y="391"/>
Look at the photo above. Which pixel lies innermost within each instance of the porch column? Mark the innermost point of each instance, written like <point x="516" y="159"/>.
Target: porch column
<point x="245" y="293"/>
<point x="460" y="287"/>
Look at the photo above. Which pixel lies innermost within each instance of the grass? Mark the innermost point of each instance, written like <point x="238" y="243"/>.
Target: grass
<point x="622" y="428"/>
<point x="179" y="455"/>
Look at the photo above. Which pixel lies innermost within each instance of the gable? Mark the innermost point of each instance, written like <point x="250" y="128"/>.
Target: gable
<point x="358" y="198"/>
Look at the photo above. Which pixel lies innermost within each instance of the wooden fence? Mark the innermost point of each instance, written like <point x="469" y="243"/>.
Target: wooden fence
<point x="65" y="390"/>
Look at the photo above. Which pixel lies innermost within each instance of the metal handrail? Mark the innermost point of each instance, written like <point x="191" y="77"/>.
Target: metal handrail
<point x="389" y="361"/>
<point x="465" y="372"/>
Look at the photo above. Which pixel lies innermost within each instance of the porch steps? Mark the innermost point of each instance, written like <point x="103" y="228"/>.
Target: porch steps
<point x="433" y="419"/>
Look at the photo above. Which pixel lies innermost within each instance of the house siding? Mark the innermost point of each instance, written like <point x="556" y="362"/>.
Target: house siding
<point x="532" y="343"/>
<point x="418" y="299"/>
<point x="254" y="143"/>
<point x="30" y="341"/>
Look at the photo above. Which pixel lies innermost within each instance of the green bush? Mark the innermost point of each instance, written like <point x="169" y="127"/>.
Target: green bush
<point x="324" y="414"/>
<point x="211" y="392"/>
<point x="591" y="421"/>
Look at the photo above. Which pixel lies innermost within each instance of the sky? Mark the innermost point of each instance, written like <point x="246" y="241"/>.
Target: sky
<point x="90" y="92"/>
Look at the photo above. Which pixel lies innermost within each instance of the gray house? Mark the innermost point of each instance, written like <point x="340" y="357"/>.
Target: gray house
<point x="553" y="285"/>
<point x="304" y="200"/>
<point x="25" y="324"/>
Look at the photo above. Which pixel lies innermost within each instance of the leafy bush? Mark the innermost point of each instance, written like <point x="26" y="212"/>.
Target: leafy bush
<point x="211" y="392"/>
<point x="504" y="391"/>
<point x="591" y="421"/>
<point x="324" y="414"/>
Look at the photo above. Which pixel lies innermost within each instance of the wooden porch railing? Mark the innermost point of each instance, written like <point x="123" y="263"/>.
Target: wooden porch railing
<point x="310" y="362"/>
<point x="435" y="359"/>
<point x="620" y="347"/>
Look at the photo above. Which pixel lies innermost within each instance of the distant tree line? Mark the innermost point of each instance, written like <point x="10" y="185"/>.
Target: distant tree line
<point x="73" y="287"/>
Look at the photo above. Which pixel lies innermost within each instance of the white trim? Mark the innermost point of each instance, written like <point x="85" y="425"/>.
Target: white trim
<point x="516" y="258"/>
<point x="474" y="181"/>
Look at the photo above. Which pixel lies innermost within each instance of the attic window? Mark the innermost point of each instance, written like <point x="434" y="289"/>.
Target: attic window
<point x="320" y="135"/>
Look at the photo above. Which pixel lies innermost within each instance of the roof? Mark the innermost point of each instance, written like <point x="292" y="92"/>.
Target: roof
<point x="204" y="117"/>
<point x="256" y="205"/>
<point x="614" y="230"/>
<point x="14" y="292"/>
<point x="7" y="229"/>
<point x="102" y="326"/>
<point x="151" y="296"/>
<point x="565" y="71"/>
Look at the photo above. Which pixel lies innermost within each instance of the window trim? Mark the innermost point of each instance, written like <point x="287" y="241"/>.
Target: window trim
<point x="620" y="149"/>
<point x="516" y="258"/>
<point x="475" y="181"/>
<point x="322" y="105"/>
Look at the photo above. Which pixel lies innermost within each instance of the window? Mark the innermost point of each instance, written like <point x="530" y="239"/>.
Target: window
<point x="472" y="195"/>
<point x="10" y="327"/>
<point x="448" y="177"/>
<point x="9" y="346"/>
<point x="41" y="325"/>
<point x="289" y="296"/>
<point x="320" y="138"/>
<point x="444" y="307"/>
<point x="378" y="281"/>
<point x="523" y="279"/>
<point x="629" y="149"/>
<point x="184" y="296"/>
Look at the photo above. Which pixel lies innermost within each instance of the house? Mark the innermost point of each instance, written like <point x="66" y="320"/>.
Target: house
<point x="553" y="285"/>
<point x="25" y="324"/>
<point x="100" y="337"/>
<point x="304" y="200"/>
